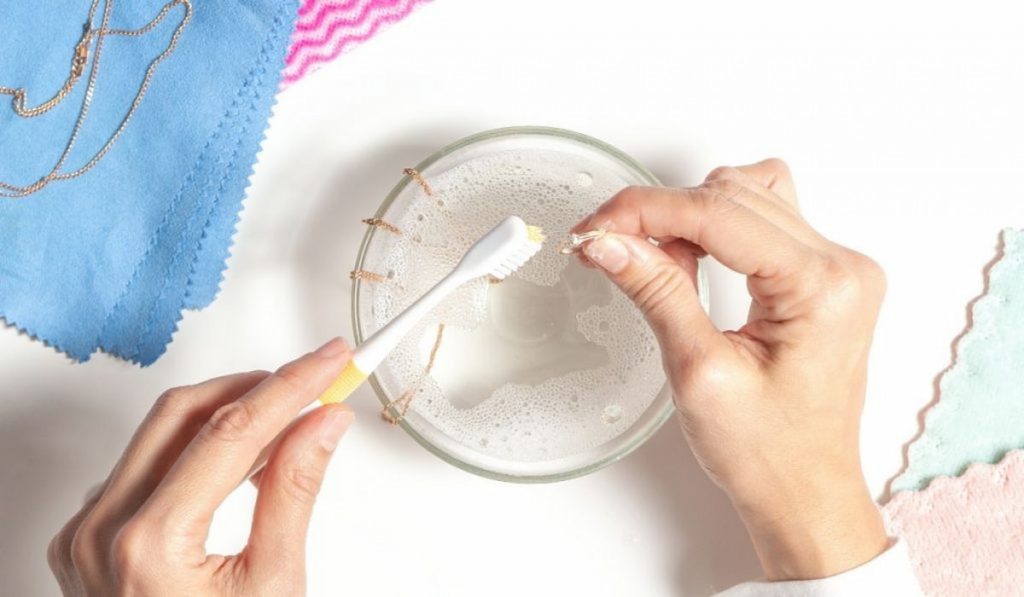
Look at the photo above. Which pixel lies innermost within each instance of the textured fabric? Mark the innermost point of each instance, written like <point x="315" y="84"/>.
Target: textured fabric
<point x="890" y="573"/>
<point x="326" y="28"/>
<point x="965" y="535"/>
<point x="979" y="415"/>
<point x="109" y="259"/>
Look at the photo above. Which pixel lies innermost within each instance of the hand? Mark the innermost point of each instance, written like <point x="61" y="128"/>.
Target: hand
<point x="771" y="410"/>
<point x="143" y="533"/>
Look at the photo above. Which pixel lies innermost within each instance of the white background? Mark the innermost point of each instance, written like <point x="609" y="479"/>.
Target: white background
<point x="903" y="127"/>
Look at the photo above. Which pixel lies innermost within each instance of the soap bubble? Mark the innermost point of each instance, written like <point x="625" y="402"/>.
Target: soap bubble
<point x="530" y="415"/>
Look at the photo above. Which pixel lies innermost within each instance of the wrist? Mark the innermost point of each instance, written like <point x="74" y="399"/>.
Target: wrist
<point x="817" y="533"/>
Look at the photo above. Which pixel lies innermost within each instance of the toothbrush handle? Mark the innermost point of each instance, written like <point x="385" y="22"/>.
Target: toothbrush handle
<point x="351" y="377"/>
<point x="371" y="353"/>
<point x="377" y="347"/>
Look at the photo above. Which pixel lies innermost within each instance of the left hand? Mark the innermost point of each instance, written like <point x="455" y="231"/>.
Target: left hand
<point x="145" y="529"/>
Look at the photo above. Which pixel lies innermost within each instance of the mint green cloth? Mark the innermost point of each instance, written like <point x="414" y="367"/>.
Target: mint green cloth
<point x="979" y="416"/>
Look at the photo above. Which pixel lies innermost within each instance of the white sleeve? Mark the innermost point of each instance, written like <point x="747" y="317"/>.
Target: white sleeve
<point x="889" y="573"/>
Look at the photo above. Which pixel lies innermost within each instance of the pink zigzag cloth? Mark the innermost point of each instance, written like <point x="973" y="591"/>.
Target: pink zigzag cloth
<point x="965" y="534"/>
<point x="326" y="28"/>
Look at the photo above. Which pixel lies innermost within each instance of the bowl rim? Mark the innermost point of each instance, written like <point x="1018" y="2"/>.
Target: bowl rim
<point x="618" y="454"/>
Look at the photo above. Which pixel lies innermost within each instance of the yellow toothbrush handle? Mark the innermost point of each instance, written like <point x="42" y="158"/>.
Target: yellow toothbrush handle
<point x="346" y="383"/>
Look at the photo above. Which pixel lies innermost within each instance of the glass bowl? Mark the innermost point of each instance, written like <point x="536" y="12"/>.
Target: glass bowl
<point x="387" y="383"/>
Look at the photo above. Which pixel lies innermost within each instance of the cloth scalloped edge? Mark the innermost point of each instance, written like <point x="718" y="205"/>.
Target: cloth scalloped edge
<point x="966" y="534"/>
<point x="11" y="320"/>
<point x="151" y="305"/>
<point x="192" y="300"/>
<point x="205" y="271"/>
<point x="106" y="299"/>
<point x="979" y="413"/>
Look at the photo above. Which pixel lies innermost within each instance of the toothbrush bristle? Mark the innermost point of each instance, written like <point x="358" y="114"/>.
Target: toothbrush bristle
<point x="522" y="254"/>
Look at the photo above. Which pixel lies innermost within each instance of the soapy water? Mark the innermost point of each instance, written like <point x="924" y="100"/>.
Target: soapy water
<point x="551" y="362"/>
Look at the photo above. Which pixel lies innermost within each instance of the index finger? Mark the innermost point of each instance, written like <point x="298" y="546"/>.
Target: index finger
<point x="729" y="231"/>
<point x="168" y="428"/>
<point x="220" y="456"/>
<point x="772" y="175"/>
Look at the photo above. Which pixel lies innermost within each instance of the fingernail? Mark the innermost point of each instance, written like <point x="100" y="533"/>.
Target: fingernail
<point x="334" y="347"/>
<point x="333" y="427"/>
<point x="608" y="252"/>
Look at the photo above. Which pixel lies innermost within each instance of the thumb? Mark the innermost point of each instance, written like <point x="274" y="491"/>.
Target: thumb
<point x="289" y="486"/>
<point x="661" y="287"/>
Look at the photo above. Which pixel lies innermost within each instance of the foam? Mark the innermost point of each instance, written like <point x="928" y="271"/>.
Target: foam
<point x="561" y="362"/>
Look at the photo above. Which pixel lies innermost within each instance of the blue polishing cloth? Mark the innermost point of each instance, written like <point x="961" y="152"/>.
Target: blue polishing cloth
<point x="108" y="260"/>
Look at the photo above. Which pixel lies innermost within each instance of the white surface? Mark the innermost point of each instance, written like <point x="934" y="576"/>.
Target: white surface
<point x="903" y="127"/>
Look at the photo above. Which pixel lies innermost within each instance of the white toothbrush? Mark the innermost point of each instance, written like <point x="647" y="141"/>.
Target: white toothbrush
<point x="498" y="253"/>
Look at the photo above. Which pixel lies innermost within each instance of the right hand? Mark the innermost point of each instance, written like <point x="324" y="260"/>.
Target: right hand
<point x="771" y="410"/>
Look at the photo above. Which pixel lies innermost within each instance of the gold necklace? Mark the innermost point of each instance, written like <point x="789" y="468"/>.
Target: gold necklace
<point x="78" y="63"/>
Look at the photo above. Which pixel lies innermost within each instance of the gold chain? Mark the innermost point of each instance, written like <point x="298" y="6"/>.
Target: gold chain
<point x="79" y="60"/>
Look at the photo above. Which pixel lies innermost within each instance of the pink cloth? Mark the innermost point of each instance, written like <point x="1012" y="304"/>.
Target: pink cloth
<point x="966" y="534"/>
<point x="326" y="28"/>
